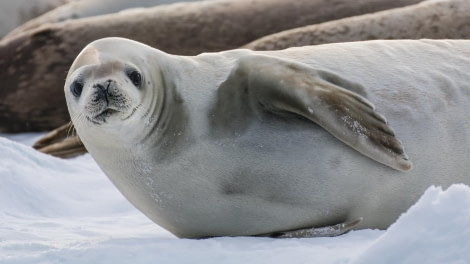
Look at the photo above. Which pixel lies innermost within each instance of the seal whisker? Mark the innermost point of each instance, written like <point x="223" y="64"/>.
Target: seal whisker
<point x="70" y="129"/>
<point x="74" y="121"/>
<point x="77" y="120"/>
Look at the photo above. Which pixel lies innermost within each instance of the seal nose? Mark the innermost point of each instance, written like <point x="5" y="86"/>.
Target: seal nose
<point x="102" y="90"/>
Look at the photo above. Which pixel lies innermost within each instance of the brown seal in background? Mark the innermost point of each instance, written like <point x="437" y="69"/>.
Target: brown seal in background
<point x="14" y="13"/>
<point x="444" y="19"/>
<point x="85" y="8"/>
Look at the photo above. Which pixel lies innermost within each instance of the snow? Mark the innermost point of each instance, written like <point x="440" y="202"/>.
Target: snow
<point x="435" y="230"/>
<point x="67" y="211"/>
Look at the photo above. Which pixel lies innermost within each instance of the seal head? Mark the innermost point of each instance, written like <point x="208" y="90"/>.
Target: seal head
<point x="105" y="89"/>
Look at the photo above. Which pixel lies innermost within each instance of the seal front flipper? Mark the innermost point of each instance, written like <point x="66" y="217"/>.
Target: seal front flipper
<point x="327" y="231"/>
<point x="279" y="85"/>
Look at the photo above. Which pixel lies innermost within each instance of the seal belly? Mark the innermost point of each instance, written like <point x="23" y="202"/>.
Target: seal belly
<point x="266" y="180"/>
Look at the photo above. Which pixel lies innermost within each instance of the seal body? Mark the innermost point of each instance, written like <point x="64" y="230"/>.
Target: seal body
<point x="15" y="13"/>
<point x="441" y="19"/>
<point x="85" y="8"/>
<point x="250" y="143"/>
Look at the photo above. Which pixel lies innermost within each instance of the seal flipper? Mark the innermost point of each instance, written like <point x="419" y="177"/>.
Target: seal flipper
<point x="282" y="85"/>
<point x="327" y="231"/>
<point x="60" y="144"/>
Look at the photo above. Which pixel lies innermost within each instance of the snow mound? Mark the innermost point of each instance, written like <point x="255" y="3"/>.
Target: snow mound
<point x="435" y="230"/>
<point x="33" y="183"/>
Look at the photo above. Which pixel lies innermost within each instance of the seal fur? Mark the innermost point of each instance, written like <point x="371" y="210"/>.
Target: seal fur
<point x="15" y="13"/>
<point x="85" y="8"/>
<point x="440" y="19"/>
<point x="243" y="143"/>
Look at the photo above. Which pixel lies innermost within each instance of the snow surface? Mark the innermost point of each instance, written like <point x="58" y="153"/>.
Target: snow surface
<point x="67" y="211"/>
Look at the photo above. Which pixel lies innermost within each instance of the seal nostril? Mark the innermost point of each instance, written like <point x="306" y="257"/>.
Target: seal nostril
<point x="101" y="91"/>
<point x="100" y="87"/>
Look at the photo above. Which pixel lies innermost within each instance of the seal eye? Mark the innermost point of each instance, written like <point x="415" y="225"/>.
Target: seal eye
<point x="135" y="77"/>
<point x="76" y="88"/>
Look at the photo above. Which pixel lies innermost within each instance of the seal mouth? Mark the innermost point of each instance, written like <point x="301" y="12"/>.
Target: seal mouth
<point x="105" y="113"/>
<point x="101" y="117"/>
